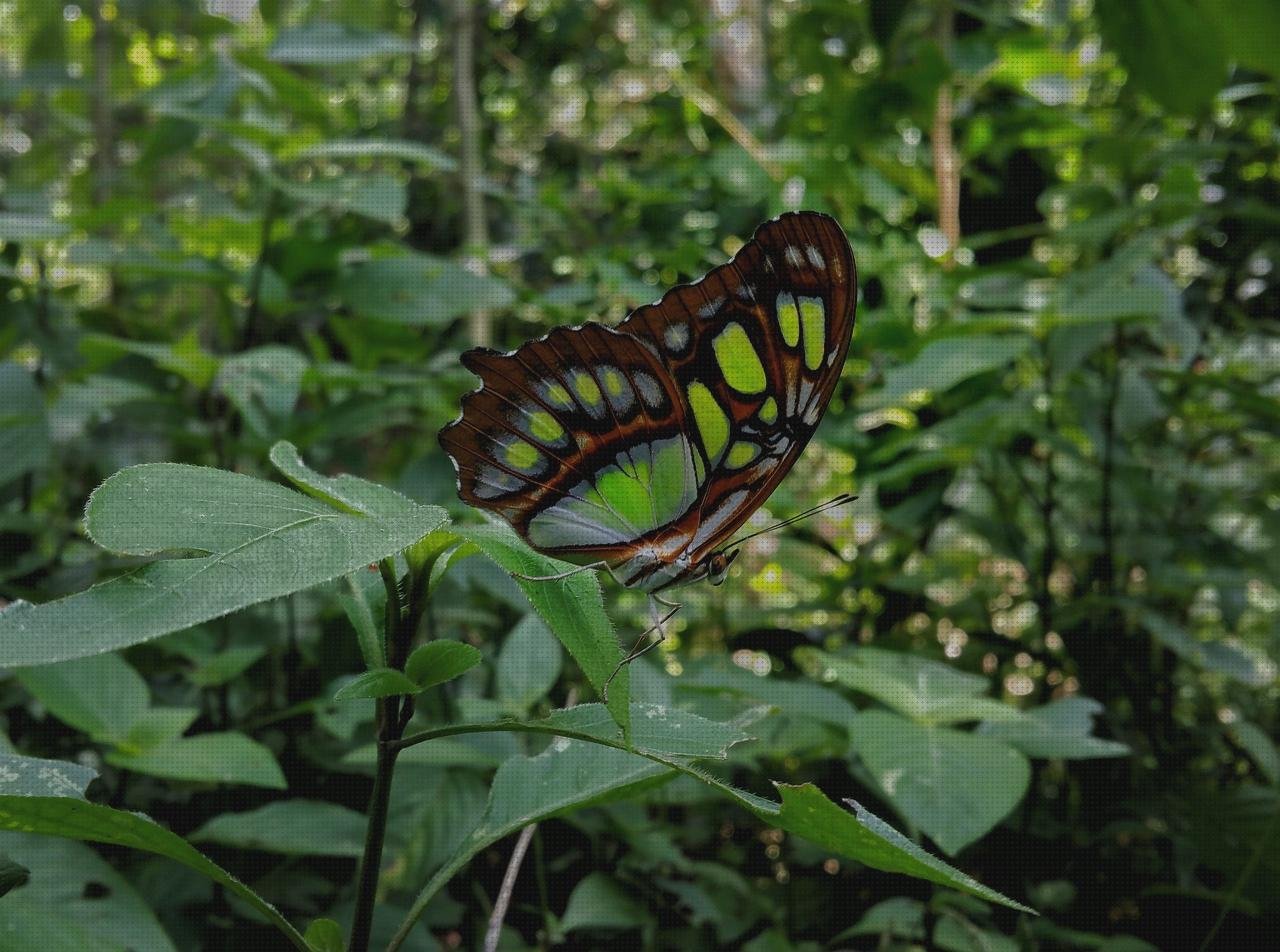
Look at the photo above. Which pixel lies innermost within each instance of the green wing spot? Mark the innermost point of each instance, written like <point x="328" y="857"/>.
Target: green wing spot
<point x="627" y="494"/>
<point x="738" y="360"/>
<point x="713" y="425"/>
<point x="788" y="318"/>
<point x="559" y="396"/>
<point x="769" y="411"/>
<point x="587" y="388"/>
<point x="544" y="426"/>
<point x="613" y="382"/>
<point x="521" y="455"/>
<point x="742" y="453"/>
<point x="814" y="316"/>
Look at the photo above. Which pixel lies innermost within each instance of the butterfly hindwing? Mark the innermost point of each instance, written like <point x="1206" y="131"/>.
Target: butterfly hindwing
<point x="647" y="446"/>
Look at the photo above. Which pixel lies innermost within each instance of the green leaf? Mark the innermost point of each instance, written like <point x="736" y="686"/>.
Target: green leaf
<point x="263" y="384"/>
<point x="220" y="757"/>
<point x="600" y="902"/>
<point x="402" y="149"/>
<point x="74" y="900"/>
<point x="1173" y="52"/>
<point x="798" y="697"/>
<point x="918" y="687"/>
<point x="325" y="935"/>
<point x="954" y="786"/>
<point x="345" y="492"/>
<point x="1251" y="31"/>
<point x="78" y="820"/>
<point x="943" y="363"/>
<point x="528" y="664"/>
<point x="899" y="917"/>
<point x="291" y="828"/>
<point x="572" y="774"/>
<point x="1061" y="730"/>
<point x="377" y="682"/>
<point x="33" y="777"/>
<point x="367" y="628"/>
<point x="24" y="428"/>
<point x="377" y="195"/>
<point x="954" y="934"/>
<point x="261" y="541"/>
<point x="1260" y="748"/>
<point x="573" y="607"/>
<point x="102" y="696"/>
<point x="440" y="661"/>
<point x="1229" y="656"/>
<point x="863" y="836"/>
<point x="420" y="289"/>
<point x="324" y="43"/>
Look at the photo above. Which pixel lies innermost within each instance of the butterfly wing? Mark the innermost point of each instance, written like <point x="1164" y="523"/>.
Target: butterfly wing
<point x="756" y="348"/>
<point x="647" y="446"/>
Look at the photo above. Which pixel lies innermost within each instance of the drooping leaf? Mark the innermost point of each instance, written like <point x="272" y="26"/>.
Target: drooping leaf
<point x="440" y="661"/>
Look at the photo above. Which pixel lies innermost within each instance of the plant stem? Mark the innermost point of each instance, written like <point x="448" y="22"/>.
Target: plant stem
<point x="392" y="715"/>
<point x="946" y="161"/>
<point x="475" y="225"/>
<point x="499" y="913"/>
<point x="371" y="861"/>
<point x="1047" y="500"/>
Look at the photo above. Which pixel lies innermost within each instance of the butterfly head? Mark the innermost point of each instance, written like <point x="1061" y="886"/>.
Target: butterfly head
<point x="718" y="565"/>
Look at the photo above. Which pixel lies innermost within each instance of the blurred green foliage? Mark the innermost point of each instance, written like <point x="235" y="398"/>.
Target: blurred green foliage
<point x="1043" y="641"/>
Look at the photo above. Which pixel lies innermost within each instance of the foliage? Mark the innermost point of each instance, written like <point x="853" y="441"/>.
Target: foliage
<point x="1041" y="644"/>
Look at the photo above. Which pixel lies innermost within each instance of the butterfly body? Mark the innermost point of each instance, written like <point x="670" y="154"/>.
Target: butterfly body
<point x="647" y="446"/>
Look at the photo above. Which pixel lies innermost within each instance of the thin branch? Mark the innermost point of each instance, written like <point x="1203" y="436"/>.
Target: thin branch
<point x="499" y="913"/>
<point x="946" y="161"/>
<point x="710" y="107"/>
<point x="475" y="225"/>
<point x="249" y="329"/>
<point x="1048" y="502"/>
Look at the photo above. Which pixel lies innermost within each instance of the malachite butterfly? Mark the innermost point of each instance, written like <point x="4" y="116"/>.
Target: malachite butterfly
<point x="645" y="447"/>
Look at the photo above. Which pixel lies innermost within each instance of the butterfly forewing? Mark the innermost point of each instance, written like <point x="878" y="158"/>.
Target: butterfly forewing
<point x="647" y="446"/>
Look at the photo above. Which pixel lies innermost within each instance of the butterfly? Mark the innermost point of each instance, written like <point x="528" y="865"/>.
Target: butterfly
<point x="644" y="448"/>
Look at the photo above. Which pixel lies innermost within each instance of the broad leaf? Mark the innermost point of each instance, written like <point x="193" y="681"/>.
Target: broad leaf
<point x="291" y="828"/>
<point x="420" y="289"/>
<point x="259" y="541"/>
<point x="47" y="798"/>
<point x="24" y="429"/>
<point x="955" y="786"/>
<point x="528" y="664"/>
<point x="219" y="757"/>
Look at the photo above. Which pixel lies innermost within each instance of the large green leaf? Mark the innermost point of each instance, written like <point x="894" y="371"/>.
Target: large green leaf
<point x="1173" y="52"/>
<point x="47" y="798"/>
<point x="1250" y="31"/>
<point x="218" y="757"/>
<point x="925" y="690"/>
<point x="257" y="540"/>
<point x="290" y="827"/>
<point x="1227" y="656"/>
<point x="74" y="900"/>
<point x="955" y="786"/>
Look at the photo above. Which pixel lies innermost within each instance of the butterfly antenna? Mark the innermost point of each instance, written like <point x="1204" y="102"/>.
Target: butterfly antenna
<point x="823" y="507"/>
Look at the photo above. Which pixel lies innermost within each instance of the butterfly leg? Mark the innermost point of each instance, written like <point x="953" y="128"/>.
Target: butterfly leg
<point x="659" y="625"/>
<point x="562" y="575"/>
